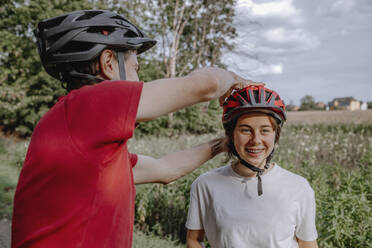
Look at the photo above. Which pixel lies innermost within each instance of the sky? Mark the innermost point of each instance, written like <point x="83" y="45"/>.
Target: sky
<point x="321" y="48"/>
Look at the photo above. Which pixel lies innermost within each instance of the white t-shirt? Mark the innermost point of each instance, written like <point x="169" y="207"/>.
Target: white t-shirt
<point x="228" y="208"/>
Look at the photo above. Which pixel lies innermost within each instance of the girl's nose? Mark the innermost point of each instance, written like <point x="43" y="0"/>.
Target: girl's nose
<point x="256" y="138"/>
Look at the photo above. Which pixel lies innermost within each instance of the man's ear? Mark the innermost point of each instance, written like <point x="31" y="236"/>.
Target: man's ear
<point x="109" y="65"/>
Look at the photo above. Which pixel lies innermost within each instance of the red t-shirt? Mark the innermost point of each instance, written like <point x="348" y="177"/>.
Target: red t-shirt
<point x="76" y="186"/>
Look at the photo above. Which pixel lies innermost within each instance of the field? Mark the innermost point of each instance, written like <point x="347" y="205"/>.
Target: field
<point x="330" y="117"/>
<point x="333" y="150"/>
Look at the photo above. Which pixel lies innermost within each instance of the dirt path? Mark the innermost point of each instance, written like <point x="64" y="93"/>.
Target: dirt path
<point x="4" y="233"/>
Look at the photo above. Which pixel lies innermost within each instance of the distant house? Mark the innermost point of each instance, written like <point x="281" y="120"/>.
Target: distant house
<point x="344" y="103"/>
<point x="291" y="107"/>
<point x="320" y="105"/>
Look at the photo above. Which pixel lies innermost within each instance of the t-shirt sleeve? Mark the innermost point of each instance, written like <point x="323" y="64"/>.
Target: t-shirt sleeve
<point x="194" y="216"/>
<point x="102" y="116"/>
<point x="305" y="228"/>
<point x="133" y="158"/>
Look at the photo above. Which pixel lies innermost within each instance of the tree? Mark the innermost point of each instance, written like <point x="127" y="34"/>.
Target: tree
<point x="307" y="103"/>
<point x="369" y="104"/>
<point x="191" y="33"/>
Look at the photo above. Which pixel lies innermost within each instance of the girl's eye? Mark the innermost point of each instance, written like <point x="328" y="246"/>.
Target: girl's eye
<point x="245" y="131"/>
<point x="266" y="131"/>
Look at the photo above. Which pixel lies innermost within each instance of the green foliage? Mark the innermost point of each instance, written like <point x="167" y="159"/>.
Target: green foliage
<point x="197" y="119"/>
<point x="141" y="240"/>
<point x="369" y="105"/>
<point x="344" y="212"/>
<point x="11" y="159"/>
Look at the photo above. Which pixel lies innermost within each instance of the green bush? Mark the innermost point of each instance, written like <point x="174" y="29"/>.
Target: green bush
<point x="141" y="240"/>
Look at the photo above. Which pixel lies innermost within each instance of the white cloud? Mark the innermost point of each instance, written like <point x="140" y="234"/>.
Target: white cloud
<point x="282" y="9"/>
<point x="289" y="40"/>
<point x="343" y="6"/>
<point x="336" y="8"/>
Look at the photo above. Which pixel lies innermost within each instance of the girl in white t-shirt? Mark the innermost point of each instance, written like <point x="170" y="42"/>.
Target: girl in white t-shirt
<point x="252" y="202"/>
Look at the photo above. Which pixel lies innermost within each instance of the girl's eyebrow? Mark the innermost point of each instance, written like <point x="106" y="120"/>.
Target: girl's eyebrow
<point x="266" y="126"/>
<point x="247" y="126"/>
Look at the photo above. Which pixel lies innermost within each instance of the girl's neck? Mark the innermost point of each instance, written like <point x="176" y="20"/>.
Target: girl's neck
<point x="243" y="171"/>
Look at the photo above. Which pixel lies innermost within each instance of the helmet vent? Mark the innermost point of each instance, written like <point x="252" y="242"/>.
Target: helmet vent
<point x="102" y="30"/>
<point x="54" y="22"/>
<point x="76" y="46"/>
<point x="49" y="42"/>
<point x="245" y="96"/>
<point x="130" y="33"/>
<point x="255" y="94"/>
<point x="89" y="15"/>
<point x="268" y="94"/>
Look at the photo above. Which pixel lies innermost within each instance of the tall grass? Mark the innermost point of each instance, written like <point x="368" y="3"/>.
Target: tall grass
<point x="335" y="159"/>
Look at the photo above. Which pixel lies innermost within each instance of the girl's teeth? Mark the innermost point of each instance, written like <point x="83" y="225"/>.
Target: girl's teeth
<point x="254" y="151"/>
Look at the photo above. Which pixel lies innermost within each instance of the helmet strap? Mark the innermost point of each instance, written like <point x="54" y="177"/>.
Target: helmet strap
<point x="120" y="56"/>
<point x="256" y="169"/>
<point x="75" y="74"/>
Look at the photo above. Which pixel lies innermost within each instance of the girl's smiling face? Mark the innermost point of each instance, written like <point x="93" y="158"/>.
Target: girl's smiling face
<point x="254" y="138"/>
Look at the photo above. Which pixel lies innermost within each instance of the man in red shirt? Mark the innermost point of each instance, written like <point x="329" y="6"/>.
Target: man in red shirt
<point x="76" y="188"/>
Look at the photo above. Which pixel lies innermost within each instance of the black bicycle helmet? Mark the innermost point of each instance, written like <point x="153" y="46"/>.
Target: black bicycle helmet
<point x="82" y="35"/>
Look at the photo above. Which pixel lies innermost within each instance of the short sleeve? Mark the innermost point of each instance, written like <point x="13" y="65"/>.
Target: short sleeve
<point x="305" y="227"/>
<point x="101" y="117"/>
<point x="194" y="216"/>
<point x="133" y="158"/>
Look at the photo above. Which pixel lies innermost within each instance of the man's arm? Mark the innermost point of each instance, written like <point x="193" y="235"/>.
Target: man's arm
<point x="195" y="238"/>
<point x="168" y="95"/>
<point x="307" y="244"/>
<point x="177" y="164"/>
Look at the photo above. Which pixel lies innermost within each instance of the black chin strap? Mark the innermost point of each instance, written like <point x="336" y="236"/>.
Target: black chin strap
<point x="258" y="170"/>
<point x="120" y="56"/>
<point x="75" y="74"/>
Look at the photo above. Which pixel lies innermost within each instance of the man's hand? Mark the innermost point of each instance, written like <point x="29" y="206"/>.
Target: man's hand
<point x="226" y="81"/>
<point x="219" y="145"/>
<point x="240" y="83"/>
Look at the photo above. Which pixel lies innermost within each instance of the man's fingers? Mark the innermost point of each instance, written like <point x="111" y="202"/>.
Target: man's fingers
<point x="239" y="83"/>
<point x="242" y="82"/>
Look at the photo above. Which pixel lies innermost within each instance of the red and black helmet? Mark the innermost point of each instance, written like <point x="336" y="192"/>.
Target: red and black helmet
<point x="253" y="99"/>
